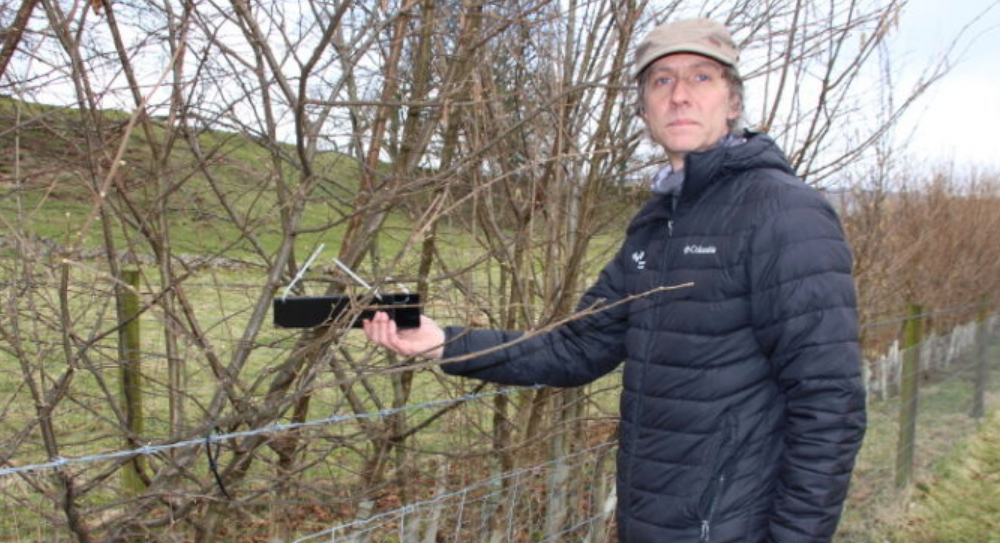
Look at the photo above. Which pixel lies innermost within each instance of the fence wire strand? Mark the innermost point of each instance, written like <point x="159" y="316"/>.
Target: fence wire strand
<point x="147" y="450"/>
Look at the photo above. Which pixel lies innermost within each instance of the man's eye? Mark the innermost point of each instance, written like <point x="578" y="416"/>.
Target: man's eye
<point x="702" y="78"/>
<point x="660" y="81"/>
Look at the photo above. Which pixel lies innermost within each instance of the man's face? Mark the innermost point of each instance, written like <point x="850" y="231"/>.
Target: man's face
<point x="688" y="104"/>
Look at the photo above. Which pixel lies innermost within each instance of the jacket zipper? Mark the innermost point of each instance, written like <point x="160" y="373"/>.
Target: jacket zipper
<point x="634" y="438"/>
<point x="706" y="523"/>
<point x="727" y="443"/>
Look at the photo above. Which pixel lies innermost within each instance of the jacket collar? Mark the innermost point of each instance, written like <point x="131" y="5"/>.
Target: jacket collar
<point x="717" y="165"/>
<point x="670" y="181"/>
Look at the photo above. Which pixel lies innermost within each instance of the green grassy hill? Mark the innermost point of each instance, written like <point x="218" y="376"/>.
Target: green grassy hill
<point x="53" y="161"/>
<point x="221" y="201"/>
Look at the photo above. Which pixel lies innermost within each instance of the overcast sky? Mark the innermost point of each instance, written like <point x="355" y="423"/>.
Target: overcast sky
<point x="960" y="118"/>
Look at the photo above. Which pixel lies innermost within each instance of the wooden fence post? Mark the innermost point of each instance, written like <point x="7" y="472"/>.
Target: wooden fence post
<point x="131" y="387"/>
<point x="912" y="336"/>
<point x="982" y="366"/>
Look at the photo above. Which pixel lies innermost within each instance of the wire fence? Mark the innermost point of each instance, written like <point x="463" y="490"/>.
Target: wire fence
<point x="957" y="385"/>
<point x="452" y="476"/>
<point x="881" y="376"/>
<point x="475" y="507"/>
<point x="212" y="438"/>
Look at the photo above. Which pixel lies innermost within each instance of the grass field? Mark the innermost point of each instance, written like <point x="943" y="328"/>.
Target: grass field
<point x="961" y="502"/>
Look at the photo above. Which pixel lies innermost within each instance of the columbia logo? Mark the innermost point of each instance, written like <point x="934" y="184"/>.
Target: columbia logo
<point x="640" y="259"/>
<point x="699" y="250"/>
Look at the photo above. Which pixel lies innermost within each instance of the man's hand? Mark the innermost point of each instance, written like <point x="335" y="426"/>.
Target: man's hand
<point x="426" y="341"/>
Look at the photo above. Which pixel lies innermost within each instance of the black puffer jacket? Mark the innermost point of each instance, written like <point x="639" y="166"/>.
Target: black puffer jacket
<point x="743" y="406"/>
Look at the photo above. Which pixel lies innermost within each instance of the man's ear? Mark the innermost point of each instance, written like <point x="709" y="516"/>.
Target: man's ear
<point x="735" y="107"/>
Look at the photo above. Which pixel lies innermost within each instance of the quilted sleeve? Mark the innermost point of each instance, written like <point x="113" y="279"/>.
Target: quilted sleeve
<point x="805" y="318"/>
<point x="583" y="349"/>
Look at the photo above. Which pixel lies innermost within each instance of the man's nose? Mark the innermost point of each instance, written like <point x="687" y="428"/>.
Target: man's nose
<point x="681" y="92"/>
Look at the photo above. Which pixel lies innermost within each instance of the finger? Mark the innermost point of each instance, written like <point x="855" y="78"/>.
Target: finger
<point x="383" y="323"/>
<point x="375" y="328"/>
<point x="393" y="339"/>
<point x="389" y="334"/>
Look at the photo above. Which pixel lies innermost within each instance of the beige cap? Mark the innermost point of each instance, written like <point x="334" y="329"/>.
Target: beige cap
<point x="701" y="36"/>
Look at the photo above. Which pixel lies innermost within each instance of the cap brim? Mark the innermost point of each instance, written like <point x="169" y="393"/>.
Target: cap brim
<point x="656" y="54"/>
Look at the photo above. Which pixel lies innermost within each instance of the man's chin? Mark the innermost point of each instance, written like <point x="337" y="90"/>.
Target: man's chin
<point x="682" y="147"/>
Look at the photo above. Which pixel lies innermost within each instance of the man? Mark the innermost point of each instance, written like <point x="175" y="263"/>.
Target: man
<point x="742" y="407"/>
